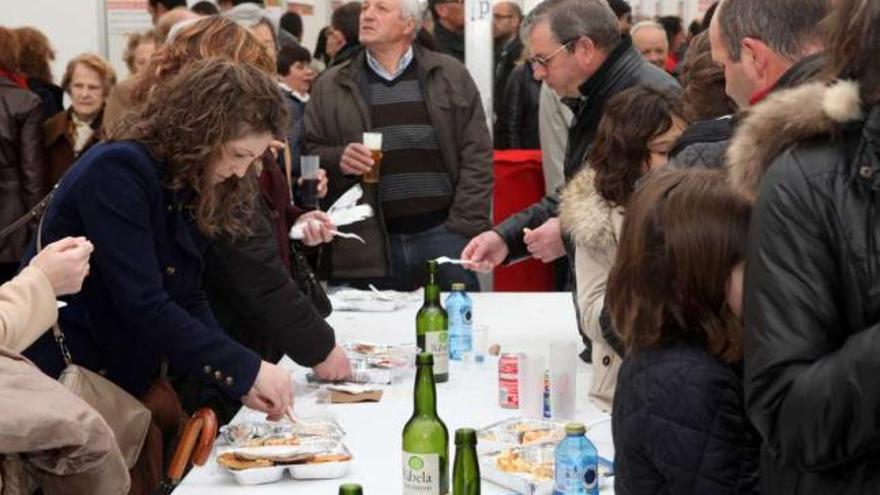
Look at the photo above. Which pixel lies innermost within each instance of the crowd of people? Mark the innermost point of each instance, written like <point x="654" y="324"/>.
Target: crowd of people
<point x="710" y="199"/>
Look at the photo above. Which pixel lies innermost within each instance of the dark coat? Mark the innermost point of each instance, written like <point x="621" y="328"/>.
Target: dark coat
<point x="703" y="144"/>
<point x="250" y="288"/>
<point x="680" y="427"/>
<point x="624" y="68"/>
<point x="517" y="121"/>
<point x="51" y="95"/>
<point x="337" y="114"/>
<point x="448" y="42"/>
<point x="24" y="178"/>
<point x="59" y="140"/>
<point x="811" y="155"/>
<point x="142" y="300"/>
<point x="506" y="58"/>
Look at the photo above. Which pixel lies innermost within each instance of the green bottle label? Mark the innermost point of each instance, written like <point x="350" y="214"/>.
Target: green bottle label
<point x="437" y="343"/>
<point x="421" y="474"/>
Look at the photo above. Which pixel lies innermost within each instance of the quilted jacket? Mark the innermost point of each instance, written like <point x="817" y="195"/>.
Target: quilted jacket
<point x="680" y="427"/>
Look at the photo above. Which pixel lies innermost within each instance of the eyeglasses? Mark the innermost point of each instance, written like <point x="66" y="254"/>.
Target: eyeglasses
<point x="545" y="61"/>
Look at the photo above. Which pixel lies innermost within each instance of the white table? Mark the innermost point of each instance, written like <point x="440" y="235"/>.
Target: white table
<point x="517" y="321"/>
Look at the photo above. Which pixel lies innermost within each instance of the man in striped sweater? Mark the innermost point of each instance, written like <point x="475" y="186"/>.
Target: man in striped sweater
<point x="435" y="185"/>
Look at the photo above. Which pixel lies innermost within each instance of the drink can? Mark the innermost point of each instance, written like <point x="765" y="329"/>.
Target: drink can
<point x="508" y="379"/>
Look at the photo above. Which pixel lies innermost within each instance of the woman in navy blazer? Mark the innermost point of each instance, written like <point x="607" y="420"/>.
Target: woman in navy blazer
<point x="149" y="199"/>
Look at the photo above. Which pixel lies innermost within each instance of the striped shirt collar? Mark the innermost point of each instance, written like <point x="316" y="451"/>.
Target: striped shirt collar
<point x="404" y="62"/>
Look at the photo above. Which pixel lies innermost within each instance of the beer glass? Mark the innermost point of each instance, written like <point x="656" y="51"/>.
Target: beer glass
<point x="373" y="141"/>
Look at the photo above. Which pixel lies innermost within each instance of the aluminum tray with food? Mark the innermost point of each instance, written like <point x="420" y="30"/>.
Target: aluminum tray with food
<point x="529" y="470"/>
<point x="314" y="458"/>
<point x="515" y="432"/>
<point x="267" y="433"/>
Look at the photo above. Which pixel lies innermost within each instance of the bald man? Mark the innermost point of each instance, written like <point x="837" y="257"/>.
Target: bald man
<point x="650" y="40"/>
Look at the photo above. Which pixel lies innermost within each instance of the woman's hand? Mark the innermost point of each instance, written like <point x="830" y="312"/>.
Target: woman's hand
<point x="65" y="263"/>
<point x="317" y="227"/>
<point x="272" y="392"/>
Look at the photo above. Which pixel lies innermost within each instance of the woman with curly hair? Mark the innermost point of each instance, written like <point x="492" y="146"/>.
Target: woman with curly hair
<point x="249" y="279"/>
<point x="634" y="137"/>
<point x="149" y="199"/>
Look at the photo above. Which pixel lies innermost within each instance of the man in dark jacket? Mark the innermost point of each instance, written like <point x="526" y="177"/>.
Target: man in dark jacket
<point x="448" y="27"/>
<point x="811" y="156"/>
<point x="506" y="19"/>
<point x="577" y="51"/>
<point x="345" y="23"/>
<point x="435" y="184"/>
<point x="812" y="317"/>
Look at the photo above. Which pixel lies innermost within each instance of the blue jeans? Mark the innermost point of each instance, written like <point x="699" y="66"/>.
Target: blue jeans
<point x="410" y="252"/>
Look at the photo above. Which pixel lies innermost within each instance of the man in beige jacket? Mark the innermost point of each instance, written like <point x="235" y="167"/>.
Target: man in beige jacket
<point x="64" y="444"/>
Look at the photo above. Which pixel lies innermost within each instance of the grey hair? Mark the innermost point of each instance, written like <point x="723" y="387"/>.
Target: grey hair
<point x="648" y="25"/>
<point x="788" y="27"/>
<point x="415" y="10"/>
<point x="572" y="19"/>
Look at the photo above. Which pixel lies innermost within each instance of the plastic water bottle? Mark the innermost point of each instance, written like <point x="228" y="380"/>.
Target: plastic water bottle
<point x="577" y="463"/>
<point x="460" y="310"/>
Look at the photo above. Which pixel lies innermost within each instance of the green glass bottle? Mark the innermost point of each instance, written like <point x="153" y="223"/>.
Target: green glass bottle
<point x="350" y="489"/>
<point x="425" y="438"/>
<point x="432" y="326"/>
<point x="466" y="470"/>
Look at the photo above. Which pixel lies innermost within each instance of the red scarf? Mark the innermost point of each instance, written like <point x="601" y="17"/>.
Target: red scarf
<point x="758" y="96"/>
<point x="16" y="79"/>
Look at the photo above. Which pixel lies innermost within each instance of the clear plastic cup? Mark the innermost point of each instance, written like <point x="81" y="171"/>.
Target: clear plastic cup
<point x="479" y="348"/>
<point x="563" y="380"/>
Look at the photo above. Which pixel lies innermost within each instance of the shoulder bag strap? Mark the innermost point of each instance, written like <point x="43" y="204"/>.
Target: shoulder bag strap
<point x="288" y="169"/>
<point x="56" y="330"/>
<point x="28" y="217"/>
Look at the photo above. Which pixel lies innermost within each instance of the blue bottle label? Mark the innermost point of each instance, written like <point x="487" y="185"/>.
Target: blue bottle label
<point x="572" y="479"/>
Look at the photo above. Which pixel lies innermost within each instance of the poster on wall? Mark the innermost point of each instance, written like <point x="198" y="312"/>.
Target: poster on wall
<point x="124" y="17"/>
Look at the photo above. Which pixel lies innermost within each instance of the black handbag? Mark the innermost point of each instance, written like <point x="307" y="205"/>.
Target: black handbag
<point x="308" y="282"/>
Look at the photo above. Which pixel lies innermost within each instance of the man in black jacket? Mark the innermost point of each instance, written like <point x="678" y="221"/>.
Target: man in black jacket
<point x="578" y="52"/>
<point x="811" y="158"/>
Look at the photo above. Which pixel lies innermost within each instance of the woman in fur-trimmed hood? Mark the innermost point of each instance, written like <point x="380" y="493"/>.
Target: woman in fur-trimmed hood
<point x="810" y="158"/>
<point x="635" y="135"/>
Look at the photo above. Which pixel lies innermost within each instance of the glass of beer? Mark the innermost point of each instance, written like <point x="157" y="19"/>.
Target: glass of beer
<point x="373" y="142"/>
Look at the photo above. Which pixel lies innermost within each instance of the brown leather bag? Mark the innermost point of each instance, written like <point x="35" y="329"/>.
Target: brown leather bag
<point x="127" y="417"/>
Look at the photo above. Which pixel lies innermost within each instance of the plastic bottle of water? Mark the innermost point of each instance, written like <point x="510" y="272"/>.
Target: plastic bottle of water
<point x="577" y="463"/>
<point x="460" y="310"/>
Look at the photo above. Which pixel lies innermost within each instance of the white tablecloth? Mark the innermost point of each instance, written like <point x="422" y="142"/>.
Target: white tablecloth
<point x="516" y="321"/>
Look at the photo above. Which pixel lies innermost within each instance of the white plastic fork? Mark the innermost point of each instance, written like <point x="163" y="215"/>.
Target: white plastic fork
<point x="447" y="259"/>
<point x="348" y="235"/>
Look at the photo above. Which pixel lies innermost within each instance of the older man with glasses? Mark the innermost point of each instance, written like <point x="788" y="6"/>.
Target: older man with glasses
<point x="577" y="50"/>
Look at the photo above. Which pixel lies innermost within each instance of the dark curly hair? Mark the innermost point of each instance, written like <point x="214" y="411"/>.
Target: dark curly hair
<point x="683" y="234"/>
<point x="630" y="120"/>
<point x="188" y="120"/>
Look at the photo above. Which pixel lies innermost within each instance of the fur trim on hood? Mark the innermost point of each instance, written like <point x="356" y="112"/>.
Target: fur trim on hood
<point x="584" y="215"/>
<point x="783" y="119"/>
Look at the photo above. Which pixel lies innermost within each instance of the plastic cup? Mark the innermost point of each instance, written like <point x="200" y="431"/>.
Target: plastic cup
<point x="563" y="380"/>
<point x="479" y="347"/>
<point x="309" y="187"/>
<point x="531" y="385"/>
